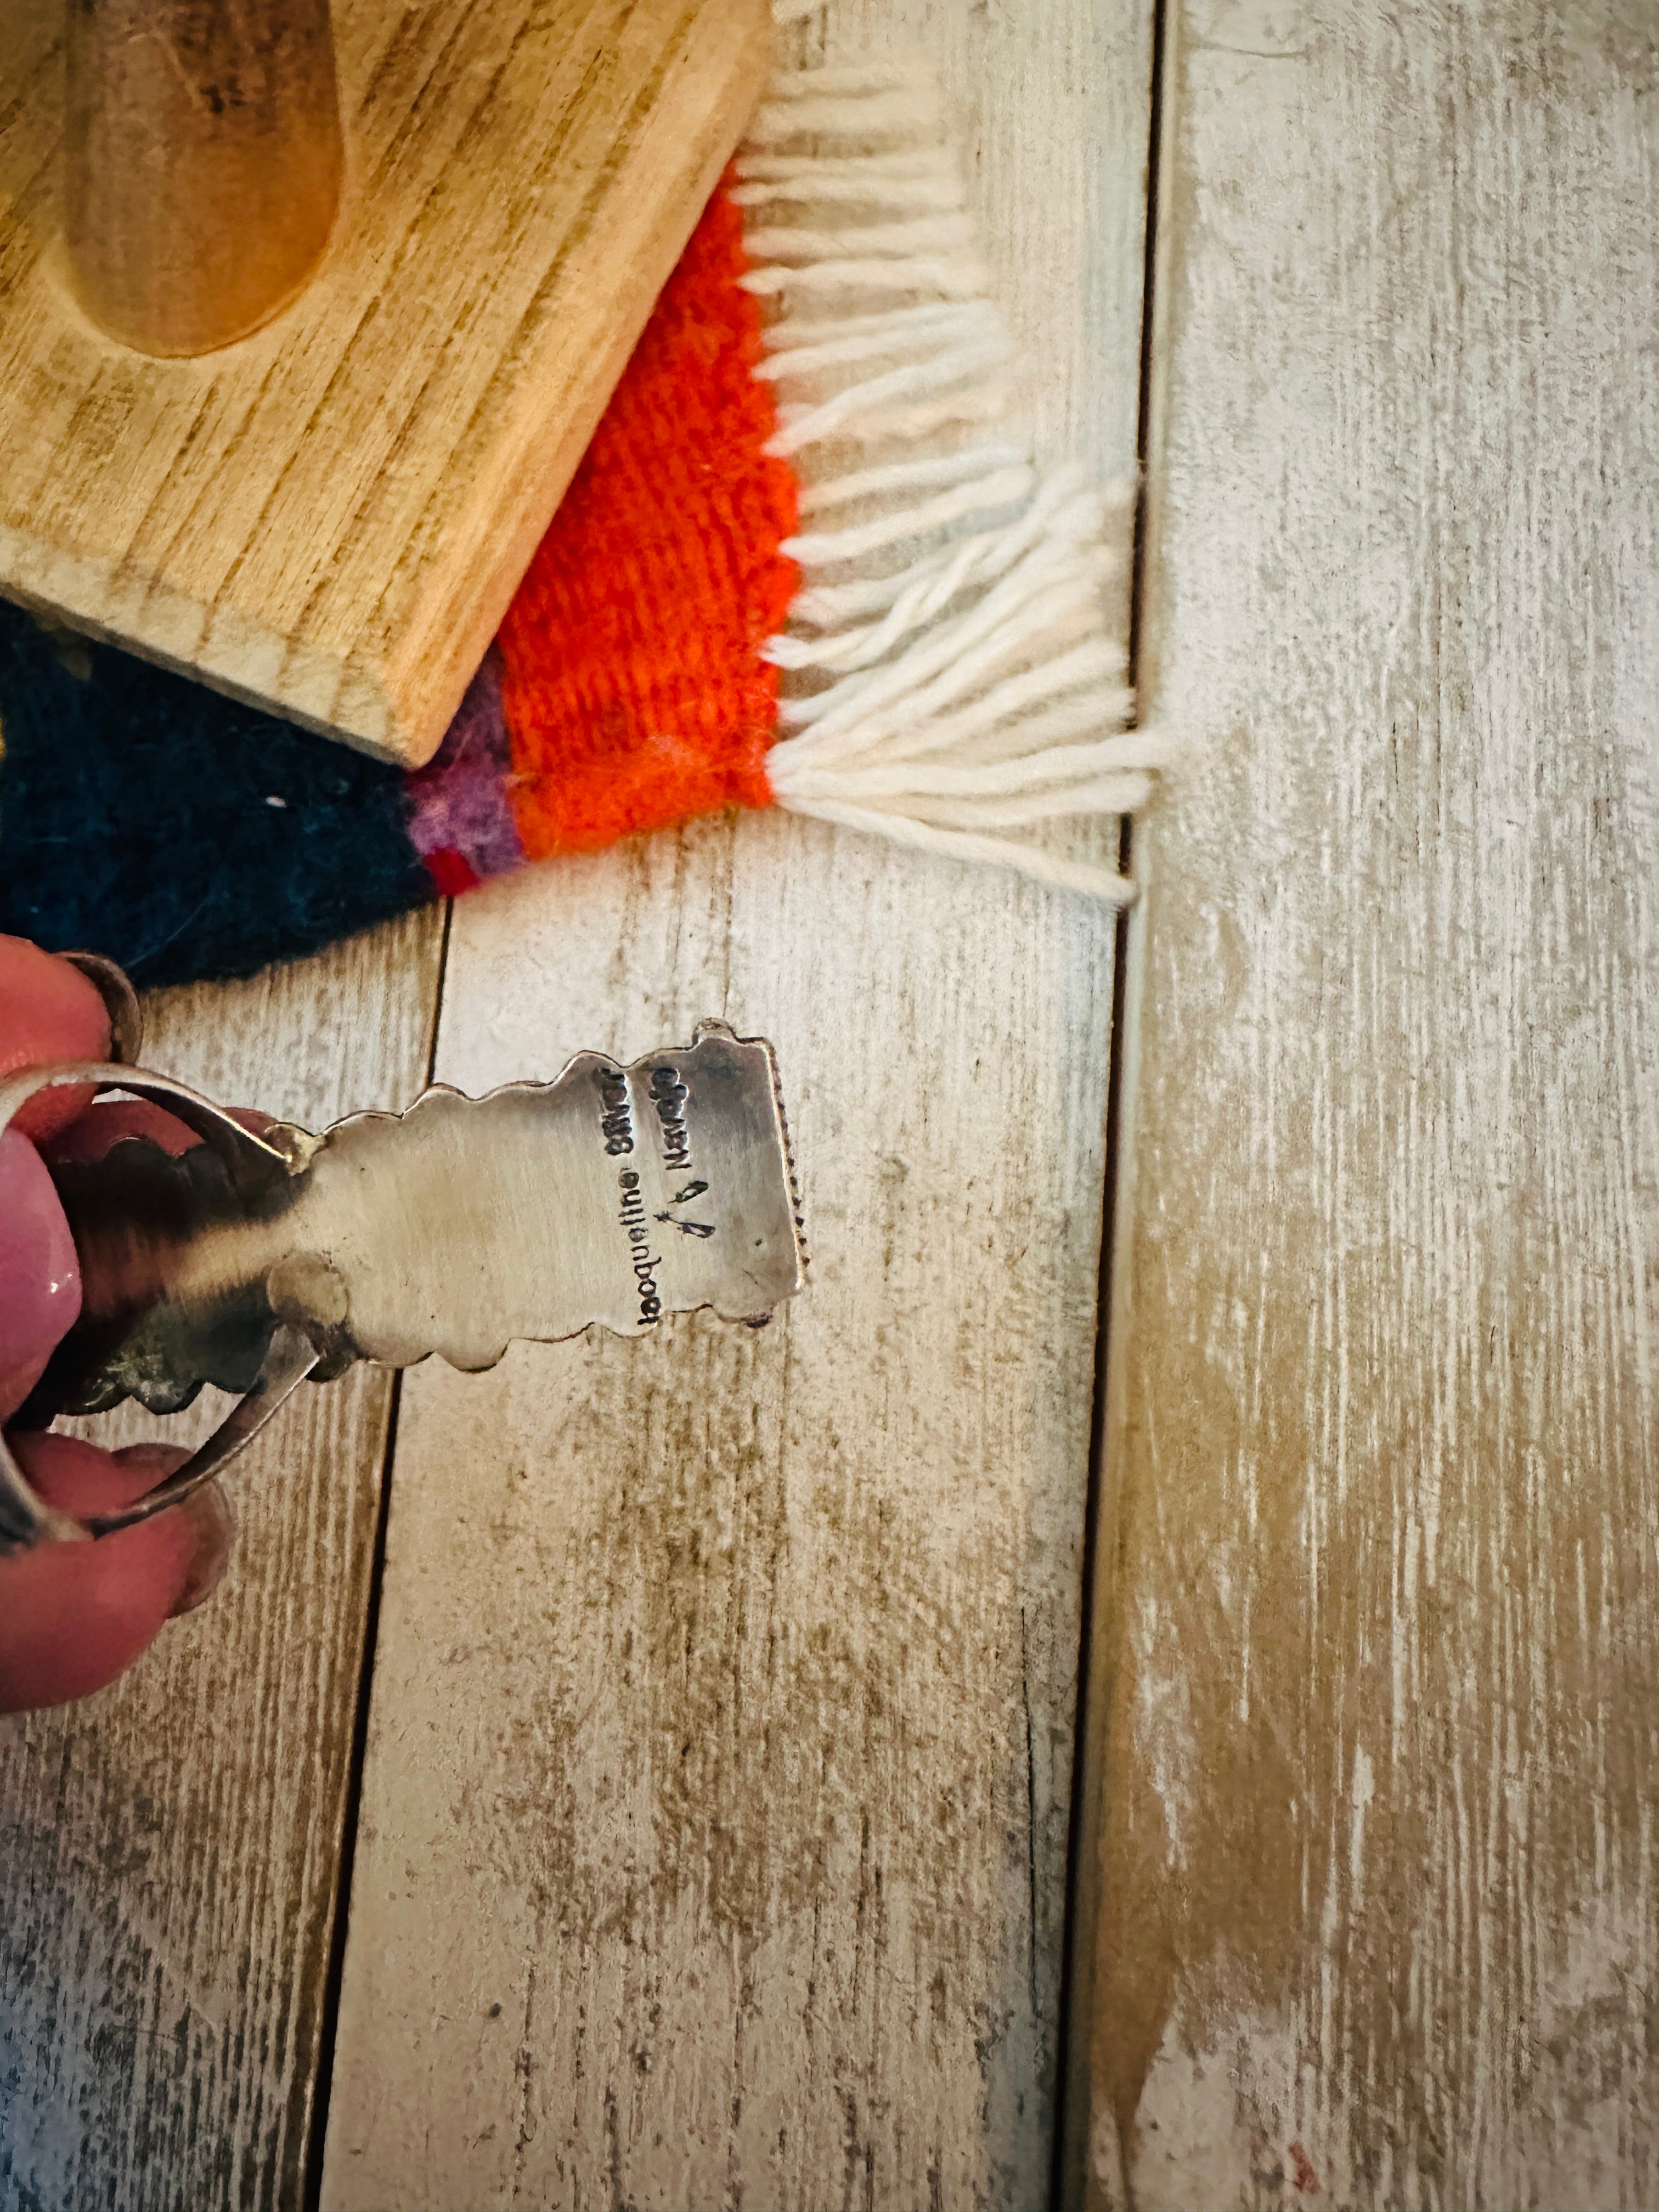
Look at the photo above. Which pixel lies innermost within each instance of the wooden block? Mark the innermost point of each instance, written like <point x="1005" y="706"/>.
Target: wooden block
<point x="329" y="517"/>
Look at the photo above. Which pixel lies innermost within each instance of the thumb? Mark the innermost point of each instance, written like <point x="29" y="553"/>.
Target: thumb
<point x="73" y="1616"/>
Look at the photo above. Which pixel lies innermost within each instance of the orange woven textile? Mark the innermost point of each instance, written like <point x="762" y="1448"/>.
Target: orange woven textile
<point x="633" y="691"/>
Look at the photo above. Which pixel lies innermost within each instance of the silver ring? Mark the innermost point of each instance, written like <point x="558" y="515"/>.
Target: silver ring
<point x="25" y="1518"/>
<point x="114" y="987"/>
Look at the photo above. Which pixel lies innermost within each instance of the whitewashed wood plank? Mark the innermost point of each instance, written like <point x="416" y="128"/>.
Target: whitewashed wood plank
<point x="1382" y="1662"/>
<point x="715" y="1814"/>
<point x="171" y="1846"/>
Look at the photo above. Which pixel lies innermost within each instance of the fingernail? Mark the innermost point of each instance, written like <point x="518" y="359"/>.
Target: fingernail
<point x="40" y="1274"/>
<point x="207" y="1510"/>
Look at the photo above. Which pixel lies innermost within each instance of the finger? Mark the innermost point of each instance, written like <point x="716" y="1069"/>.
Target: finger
<point x="91" y="1136"/>
<point x="73" y="1616"/>
<point x="40" y="1274"/>
<point x="48" y="1012"/>
<point x="86" y="1482"/>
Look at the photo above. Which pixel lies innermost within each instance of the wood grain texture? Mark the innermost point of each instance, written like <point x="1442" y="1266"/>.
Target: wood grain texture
<point x="1381" y="1657"/>
<point x="714" y="1821"/>
<point x="171" y="1847"/>
<point x="330" y="517"/>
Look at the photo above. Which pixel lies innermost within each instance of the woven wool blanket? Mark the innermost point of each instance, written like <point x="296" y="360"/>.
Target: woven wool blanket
<point x="807" y="560"/>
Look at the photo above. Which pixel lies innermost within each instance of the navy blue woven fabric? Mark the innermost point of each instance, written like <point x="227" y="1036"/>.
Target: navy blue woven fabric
<point x="185" y="835"/>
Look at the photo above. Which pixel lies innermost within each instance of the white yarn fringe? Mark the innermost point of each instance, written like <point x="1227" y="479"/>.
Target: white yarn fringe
<point x="948" y="678"/>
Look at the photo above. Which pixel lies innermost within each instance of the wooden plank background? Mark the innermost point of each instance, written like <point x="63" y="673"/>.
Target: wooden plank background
<point x="714" y="1819"/>
<point x="170" y="1847"/>
<point x="723" y="1712"/>
<point x="1377" y="1665"/>
<point x="722" y="1724"/>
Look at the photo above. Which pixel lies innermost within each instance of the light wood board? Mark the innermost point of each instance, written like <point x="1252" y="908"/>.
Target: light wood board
<point x="715" y="1815"/>
<point x="330" y="517"/>
<point x="1380" y="1659"/>
<point x="171" y="1847"/>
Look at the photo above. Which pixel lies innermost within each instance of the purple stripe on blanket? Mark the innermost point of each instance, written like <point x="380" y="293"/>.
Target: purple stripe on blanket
<point x="457" y="802"/>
